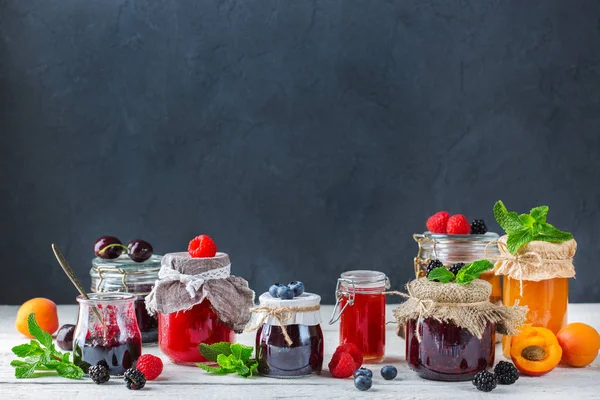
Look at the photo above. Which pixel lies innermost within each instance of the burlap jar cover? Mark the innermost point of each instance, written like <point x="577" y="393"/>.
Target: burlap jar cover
<point x="536" y="261"/>
<point x="466" y="306"/>
<point x="185" y="281"/>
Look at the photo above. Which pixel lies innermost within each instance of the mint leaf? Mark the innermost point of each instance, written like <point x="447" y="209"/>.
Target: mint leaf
<point x="241" y="352"/>
<point x="549" y="233"/>
<point x="517" y="239"/>
<point x="243" y="371"/>
<point x="65" y="357"/>
<point x="68" y="370"/>
<point x="472" y="271"/>
<point x="25" y="370"/>
<point x="212" y="351"/>
<point x="19" y="363"/>
<point x="509" y="221"/>
<point x="539" y="214"/>
<point x="526" y="220"/>
<point x="440" y="274"/>
<point x="208" y="368"/>
<point x="34" y="329"/>
<point x="26" y="350"/>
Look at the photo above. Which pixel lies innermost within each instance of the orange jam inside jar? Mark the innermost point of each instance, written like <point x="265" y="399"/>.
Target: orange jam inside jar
<point x="453" y="249"/>
<point x="361" y="304"/>
<point x="547" y="301"/>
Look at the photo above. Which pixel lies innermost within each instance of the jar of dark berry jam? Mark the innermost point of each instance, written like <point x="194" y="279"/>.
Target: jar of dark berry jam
<point x="125" y="275"/>
<point x="302" y="355"/>
<point x="107" y="330"/>
<point x="447" y="352"/>
<point x="360" y="307"/>
<point x="454" y="249"/>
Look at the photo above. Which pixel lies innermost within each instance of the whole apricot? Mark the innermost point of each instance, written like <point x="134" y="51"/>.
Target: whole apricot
<point x="45" y="312"/>
<point x="580" y="344"/>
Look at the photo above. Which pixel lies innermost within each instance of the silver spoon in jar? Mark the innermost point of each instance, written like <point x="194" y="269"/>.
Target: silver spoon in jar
<point x="71" y="274"/>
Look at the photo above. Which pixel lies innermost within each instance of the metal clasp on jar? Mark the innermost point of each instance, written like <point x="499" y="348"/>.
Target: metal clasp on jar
<point x="420" y="263"/>
<point x="124" y="274"/>
<point x="350" y="294"/>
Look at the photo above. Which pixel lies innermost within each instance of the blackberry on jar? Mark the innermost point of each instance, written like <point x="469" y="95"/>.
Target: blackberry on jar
<point x="456" y="267"/>
<point x="478" y="227"/>
<point x="433" y="264"/>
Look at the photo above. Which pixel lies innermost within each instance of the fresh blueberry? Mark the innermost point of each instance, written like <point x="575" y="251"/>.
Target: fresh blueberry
<point x="285" y="293"/>
<point x="297" y="287"/>
<point x="389" y="372"/>
<point x="274" y="288"/>
<point x="363" y="372"/>
<point x="363" y="382"/>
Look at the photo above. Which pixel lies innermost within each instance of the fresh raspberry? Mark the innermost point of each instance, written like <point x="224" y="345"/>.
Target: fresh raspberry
<point x="203" y="246"/>
<point x="458" y="225"/>
<point x="149" y="365"/>
<point x="353" y="350"/>
<point x="437" y="222"/>
<point x="342" y="365"/>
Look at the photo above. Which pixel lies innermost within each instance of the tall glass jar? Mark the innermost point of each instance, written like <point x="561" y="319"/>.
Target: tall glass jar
<point x="180" y="333"/>
<point x="304" y="355"/>
<point x="107" y="330"/>
<point x="125" y="275"/>
<point x="360" y="307"/>
<point x="453" y="249"/>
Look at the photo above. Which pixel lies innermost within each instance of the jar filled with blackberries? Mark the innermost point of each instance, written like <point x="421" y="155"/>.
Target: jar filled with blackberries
<point x="122" y="274"/>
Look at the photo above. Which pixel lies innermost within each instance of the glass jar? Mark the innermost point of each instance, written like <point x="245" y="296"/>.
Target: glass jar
<point x="180" y="333"/>
<point x="361" y="304"/>
<point x="122" y="274"/>
<point x="452" y="249"/>
<point x="304" y="356"/>
<point x="447" y="352"/>
<point x="107" y="330"/>
<point x="547" y="301"/>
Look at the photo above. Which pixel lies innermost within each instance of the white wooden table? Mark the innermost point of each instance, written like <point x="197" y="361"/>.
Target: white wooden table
<point x="178" y="382"/>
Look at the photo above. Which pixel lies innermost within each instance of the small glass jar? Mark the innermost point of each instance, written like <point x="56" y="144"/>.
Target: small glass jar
<point x="180" y="333"/>
<point x="107" y="330"/>
<point x="361" y="304"/>
<point x="547" y="301"/>
<point x="452" y="249"/>
<point x="447" y="352"/>
<point x="304" y="356"/>
<point x="122" y="274"/>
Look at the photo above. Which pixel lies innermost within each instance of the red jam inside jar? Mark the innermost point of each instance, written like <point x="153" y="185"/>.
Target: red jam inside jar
<point x="180" y="333"/>
<point x="362" y="307"/>
<point x="447" y="352"/>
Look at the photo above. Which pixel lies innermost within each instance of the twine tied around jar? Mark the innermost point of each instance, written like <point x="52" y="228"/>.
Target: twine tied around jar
<point x="281" y="315"/>
<point x="521" y="260"/>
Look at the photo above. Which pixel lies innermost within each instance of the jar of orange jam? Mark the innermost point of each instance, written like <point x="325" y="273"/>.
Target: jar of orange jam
<point x="537" y="277"/>
<point x="453" y="249"/>
<point x="360" y="307"/>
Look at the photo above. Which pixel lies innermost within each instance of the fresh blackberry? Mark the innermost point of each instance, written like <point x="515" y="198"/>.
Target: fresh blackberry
<point x="506" y="373"/>
<point x="485" y="381"/>
<point x="99" y="373"/>
<point x="456" y="267"/>
<point x="478" y="227"/>
<point x="134" y="379"/>
<point x="103" y="363"/>
<point x="432" y="265"/>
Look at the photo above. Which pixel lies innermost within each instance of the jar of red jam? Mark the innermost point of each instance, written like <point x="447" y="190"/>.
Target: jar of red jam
<point x="360" y="307"/>
<point x="447" y="352"/>
<point x="303" y="354"/>
<point x="122" y="274"/>
<point x="107" y="330"/>
<point x="180" y="333"/>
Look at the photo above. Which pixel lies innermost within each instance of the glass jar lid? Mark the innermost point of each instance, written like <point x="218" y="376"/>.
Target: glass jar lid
<point x="305" y="300"/>
<point x="365" y="279"/>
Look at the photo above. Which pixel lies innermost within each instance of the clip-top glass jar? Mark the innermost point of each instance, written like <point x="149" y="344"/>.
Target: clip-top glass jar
<point x="125" y="275"/>
<point x="453" y="249"/>
<point x="107" y="330"/>
<point x="360" y="307"/>
<point x="304" y="356"/>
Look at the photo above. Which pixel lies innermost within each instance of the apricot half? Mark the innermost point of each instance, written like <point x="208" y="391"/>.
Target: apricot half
<point x="535" y="351"/>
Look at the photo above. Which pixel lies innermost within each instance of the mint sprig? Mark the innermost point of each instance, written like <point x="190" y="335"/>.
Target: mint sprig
<point x="230" y="358"/>
<point x="525" y="228"/>
<point x="466" y="274"/>
<point x="40" y="356"/>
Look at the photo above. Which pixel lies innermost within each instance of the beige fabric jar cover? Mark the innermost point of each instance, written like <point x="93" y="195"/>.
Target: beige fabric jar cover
<point x="466" y="306"/>
<point x="536" y="261"/>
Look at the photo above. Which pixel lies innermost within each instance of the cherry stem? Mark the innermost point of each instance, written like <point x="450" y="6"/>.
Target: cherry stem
<point x="113" y="245"/>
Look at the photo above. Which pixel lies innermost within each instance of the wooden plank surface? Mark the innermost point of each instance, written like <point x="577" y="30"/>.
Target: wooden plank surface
<point x="190" y="382"/>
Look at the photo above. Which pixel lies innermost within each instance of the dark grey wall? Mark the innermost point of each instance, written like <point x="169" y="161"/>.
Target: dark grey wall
<point x="307" y="137"/>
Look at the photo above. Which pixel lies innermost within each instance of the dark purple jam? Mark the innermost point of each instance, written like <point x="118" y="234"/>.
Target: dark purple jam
<point x="278" y="359"/>
<point x="119" y="356"/>
<point x="148" y="324"/>
<point x="447" y="352"/>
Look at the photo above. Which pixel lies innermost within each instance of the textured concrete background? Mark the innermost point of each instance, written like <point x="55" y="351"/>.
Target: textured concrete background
<point x="307" y="137"/>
